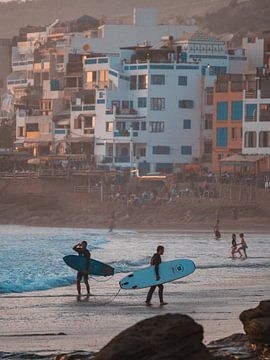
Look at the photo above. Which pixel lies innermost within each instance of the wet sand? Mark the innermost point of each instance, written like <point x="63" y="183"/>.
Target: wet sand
<point x="33" y="321"/>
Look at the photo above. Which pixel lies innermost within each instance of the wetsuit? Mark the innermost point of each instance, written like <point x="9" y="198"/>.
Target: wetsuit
<point x="87" y="255"/>
<point x="156" y="260"/>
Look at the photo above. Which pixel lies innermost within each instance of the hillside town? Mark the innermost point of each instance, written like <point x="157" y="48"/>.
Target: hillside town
<point x="99" y="104"/>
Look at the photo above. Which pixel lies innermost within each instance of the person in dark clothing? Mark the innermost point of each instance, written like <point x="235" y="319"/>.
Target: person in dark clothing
<point x="82" y="250"/>
<point x="155" y="261"/>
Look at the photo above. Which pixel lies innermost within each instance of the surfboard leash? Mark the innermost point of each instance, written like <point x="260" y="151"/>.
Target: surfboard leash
<point x="101" y="281"/>
<point x="112" y="299"/>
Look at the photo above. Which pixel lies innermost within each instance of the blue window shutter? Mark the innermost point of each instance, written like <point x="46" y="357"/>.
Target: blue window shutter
<point x="222" y="137"/>
<point x="186" y="150"/>
<point x="191" y="104"/>
<point x="183" y="57"/>
<point x="251" y="111"/>
<point x="222" y="110"/>
<point x="237" y="110"/>
<point x="182" y="80"/>
<point x="187" y="124"/>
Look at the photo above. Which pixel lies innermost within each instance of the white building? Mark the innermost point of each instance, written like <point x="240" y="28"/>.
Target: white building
<point x="109" y="38"/>
<point x="160" y="100"/>
<point x="256" y="117"/>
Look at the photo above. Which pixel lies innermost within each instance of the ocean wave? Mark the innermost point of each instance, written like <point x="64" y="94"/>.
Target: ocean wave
<point x="125" y="266"/>
<point x="36" y="284"/>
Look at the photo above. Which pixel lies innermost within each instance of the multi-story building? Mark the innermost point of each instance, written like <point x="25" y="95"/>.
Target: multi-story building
<point x="162" y="104"/>
<point x="227" y="118"/>
<point x="256" y="115"/>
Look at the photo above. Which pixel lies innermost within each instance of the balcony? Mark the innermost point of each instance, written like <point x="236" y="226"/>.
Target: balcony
<point x="122" y="133"/>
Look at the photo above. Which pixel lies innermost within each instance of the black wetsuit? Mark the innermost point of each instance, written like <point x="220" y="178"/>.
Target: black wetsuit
<point x="87" y="255"/>
<point x="156" y="260"/>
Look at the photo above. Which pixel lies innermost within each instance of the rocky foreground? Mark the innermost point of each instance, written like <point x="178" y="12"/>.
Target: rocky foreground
<point x="179" y="337"/>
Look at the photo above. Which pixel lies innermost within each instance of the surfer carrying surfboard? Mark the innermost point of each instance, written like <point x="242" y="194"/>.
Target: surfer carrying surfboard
<point x="156" y="261"/>
<point x="82" y="250"/>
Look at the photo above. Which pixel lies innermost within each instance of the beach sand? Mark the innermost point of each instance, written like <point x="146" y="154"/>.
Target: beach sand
<point x="32" y="321"/>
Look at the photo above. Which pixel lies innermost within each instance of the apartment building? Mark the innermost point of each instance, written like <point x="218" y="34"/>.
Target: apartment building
<point x="256" y="114"/>
<point x="227" y="118"/>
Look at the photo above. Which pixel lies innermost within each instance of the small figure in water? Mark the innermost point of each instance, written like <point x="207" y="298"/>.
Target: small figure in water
<point x="243" y="245"/>
<point x="111" y="222"/>
<point x="82" y="250"/>
<point x="234" y="246"/>
<point x="156" y="260"/>
<point x="216" y="231"/>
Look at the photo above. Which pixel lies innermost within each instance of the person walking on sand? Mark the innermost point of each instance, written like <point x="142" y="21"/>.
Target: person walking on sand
<point x="243" y="245"/>
<point x="217" y="231"/>
<point x="156" y="261"/>
<point x="111" y="222"/>
<point x="234" y="249"/>
<point x="82" y="250"/>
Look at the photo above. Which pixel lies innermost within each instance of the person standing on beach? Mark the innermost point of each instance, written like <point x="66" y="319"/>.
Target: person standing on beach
<point x="82" y="250"/>
<point x="111" y="222"/>
<point x="243" y="245"/>
<point x="234" y="246"/>
<point x="156" y="261"/>
<point x="217" y="231"/>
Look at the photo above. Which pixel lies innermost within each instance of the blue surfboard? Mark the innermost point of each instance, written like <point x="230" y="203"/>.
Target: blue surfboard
<point x="168" y="271"/>
<point x="96" y="267"/>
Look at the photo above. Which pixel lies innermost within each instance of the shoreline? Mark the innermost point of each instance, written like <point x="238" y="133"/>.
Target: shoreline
<point x="228" y="227"/>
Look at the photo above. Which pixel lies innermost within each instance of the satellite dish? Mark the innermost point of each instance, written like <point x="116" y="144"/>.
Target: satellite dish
<point x="86" y="47"/>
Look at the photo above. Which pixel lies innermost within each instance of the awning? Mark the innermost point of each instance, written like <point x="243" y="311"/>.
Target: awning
<point x="241" y="160"/>
<point x="34" y="161"/>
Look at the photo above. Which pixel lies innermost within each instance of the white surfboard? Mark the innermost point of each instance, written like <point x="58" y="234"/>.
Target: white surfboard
<point x="168" y="271"/>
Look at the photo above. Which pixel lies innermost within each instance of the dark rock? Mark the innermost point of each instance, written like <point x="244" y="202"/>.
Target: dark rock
<point x="163" y="337"/>
<point x="257" y="323"/>
<point x="76" y="355"/>
<point x="233" y="347"/>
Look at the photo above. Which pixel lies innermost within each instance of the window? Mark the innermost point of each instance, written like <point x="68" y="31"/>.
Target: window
<point x="135" y="125"/>
<point x="142" y="152"/>
<point x="103" y="75"/>
<point x="143" y="125"/>
<point x="31" y="127"/>
<point x="156" y="126"/>
<point x="88" y="122"/>
<point x="120" y="125"/>
<point x="187" y="124"/>
<point x="143" y="82"/>
<point x="182" y="80"/>
<point x="237" y="110"/>
<point x="251" y="112"/>
<point x="133" y="82"/>
<point x="264" y="139"/>
<point x="91" y="76"/>
<point x="208" y="147"/>
<point x="158" y="79"/>
<point x="125" y="104"/>
<point x="250" y="139"/>
<point x="222" y="110"/>
<point x="216" y="70"/>
<point x="234" y="133"/>
<point x="21" y="129"/>
<point x="78" y="123"/>
<point x="222" y="137"/>
<point x="209" y="98"/>
<point x="158" y="104"/>
<point x="186" y="150"/>
<point x="161" y="150"/>
<point x="186" y="104"/>
<point x="264" y="112"/>
<point x="109" y="126"/>
<point x="142" y="102"/>
<point x="208" y="121"/>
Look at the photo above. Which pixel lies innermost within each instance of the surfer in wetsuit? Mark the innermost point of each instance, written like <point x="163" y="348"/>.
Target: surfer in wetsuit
<point x="82" y="250"/>
<point x="217" y="231"/>
<point x="156" y="260"/>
